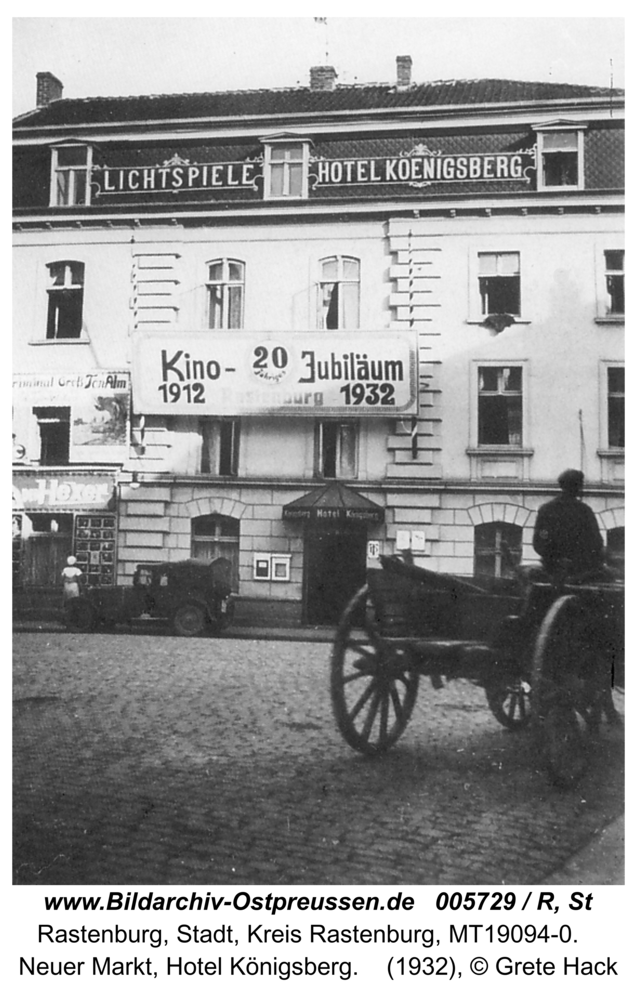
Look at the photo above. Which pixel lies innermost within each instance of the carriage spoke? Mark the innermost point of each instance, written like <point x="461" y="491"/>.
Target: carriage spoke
<point x="384" y="713"/>
<point x="371" y="715"/>
<point x="364" y="698"/>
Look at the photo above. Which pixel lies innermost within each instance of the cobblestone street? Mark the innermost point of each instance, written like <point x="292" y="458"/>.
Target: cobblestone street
<point x="157" y="760"/>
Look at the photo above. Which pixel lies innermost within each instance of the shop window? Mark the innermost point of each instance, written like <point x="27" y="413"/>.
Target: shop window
<point x="71" y="173"/>
<point x="66" y="300"/>
<point x="499" y="283"/>
<point x="54" y="424"/>
<point x="286" y="169"/>
<point x="616" y="399"/>
<point x="560" y="158"/>
<point x="497" y="549"/>
<point x="339" y="294"/>
<point x="614" y="281"/>
<point x="500" y="405"/>
<point x="215" y="536"/>
<point x="336" y="449"/>
<point x="220" y="447"/>
<point x="225" y="287"/>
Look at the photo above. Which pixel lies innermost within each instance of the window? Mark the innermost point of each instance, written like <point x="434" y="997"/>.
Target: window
<point x="225" y="285"/>
<point x="560" y="158"/>
<point x="54" y="423"/>
<point x="71" y="170"/>
<point x="66" y="299"/>
<point x="499" y="282"/>
<point x="339" y="294"/>
<point x="286" y="169"/>
<point x="614" y="275"/>
<point x="336" y="447"/>
<point x="497" y="549"/>
<point x="615" y="548"/>
<point x="616" y="396"/>
<point x="220" y="447"/>
<point x="500" y="406"/>
<point x="213" y="537"/>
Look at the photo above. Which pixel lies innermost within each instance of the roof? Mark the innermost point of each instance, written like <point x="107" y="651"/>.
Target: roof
<point x="333" y="501"/>
<point x="301" y="100"/>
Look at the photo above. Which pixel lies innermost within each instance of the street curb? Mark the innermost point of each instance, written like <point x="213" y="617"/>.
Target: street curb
<point x="307" y="633"/>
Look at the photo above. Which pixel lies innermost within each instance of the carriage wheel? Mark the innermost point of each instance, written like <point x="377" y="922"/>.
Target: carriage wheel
<point x="510" y="702"/>
<point x="373" y="683"/>
<point x="565" y="688"/>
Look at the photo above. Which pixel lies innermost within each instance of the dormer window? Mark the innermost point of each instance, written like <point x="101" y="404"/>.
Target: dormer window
<point x="560" y="156"/>
<point x="70" y="175"/>
<point x="286" y="167"/>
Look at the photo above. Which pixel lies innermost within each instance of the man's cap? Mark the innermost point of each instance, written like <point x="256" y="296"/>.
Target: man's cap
<point x="571" y="479"/>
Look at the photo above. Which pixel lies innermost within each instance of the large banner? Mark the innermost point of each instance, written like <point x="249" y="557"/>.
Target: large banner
<point x="234" y="372"/>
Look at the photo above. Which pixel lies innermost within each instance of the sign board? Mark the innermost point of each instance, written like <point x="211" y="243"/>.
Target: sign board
<point x="317" y="373"/>
<point x="99" y="407"/>
<point x="62" y="492"/>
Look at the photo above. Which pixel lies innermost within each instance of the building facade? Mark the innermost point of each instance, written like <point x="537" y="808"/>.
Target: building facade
<point x="301" y="328"/>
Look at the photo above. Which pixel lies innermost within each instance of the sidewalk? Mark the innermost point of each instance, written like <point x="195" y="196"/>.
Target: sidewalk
<point x="601" y="862"/>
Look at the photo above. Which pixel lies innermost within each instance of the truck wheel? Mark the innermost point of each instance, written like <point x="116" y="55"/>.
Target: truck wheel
<point x="189" y="620"/>
<point x="79" y="615"/>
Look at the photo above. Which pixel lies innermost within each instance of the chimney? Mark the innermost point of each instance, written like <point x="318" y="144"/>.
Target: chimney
<point x="322" y="78"/>
<point x="49" y="89"/>
<point x="403" y="71"/>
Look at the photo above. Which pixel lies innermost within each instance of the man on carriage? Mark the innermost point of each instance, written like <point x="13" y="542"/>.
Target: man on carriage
<point x="566" y="534"/>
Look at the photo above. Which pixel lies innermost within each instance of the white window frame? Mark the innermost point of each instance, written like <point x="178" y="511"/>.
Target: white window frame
<point x="69" y="287"/>
<point x="475" y="393"/>
<point x="601" y="272"/>
<point x="501" y="272"/>
<point x="213" y="426"/>
<point x="550" y="129"/>
<point x="72" y="171"/>
<point x="606" y="449"/>
<point x="475" y="313"/>
<point x="499" y="528"/>
<point x="319" y="447"/>
<point x="340" y="280"/>
<point x="225" y="283"/>
<point x="304" y="159"/>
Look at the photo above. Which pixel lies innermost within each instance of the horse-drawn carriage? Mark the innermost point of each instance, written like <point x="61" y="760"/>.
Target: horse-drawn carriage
<point x="546" y="655"/>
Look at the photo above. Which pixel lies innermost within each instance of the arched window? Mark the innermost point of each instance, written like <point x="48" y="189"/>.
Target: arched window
<point x="225" y="285"/>
<point x="214" y="536"/>
<point x="339" y="294"/>
<point x="497" y="549"/>
<point x="615" y="548"/>
<point x="66" y="299"/>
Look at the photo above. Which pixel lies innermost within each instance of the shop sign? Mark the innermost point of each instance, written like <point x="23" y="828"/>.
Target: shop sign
<point x="312" y="374"/>
<point x="176" y="175"/>
<point x="51" y="492"/>
<point x="422" y="167"/>
<point x="99" y="402"/>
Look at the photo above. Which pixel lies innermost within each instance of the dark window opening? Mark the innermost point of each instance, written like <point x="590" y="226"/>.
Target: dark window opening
<point x="336" y="451"/>
<point x="614" y="261"/>
<point x="616" y="414"/>
<point x="499" y="281"/>
<point x="500" y="406"/>
<point x="220" y="447"/>
<point x="66" y="300"/>
<point x="54" y="423"/>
